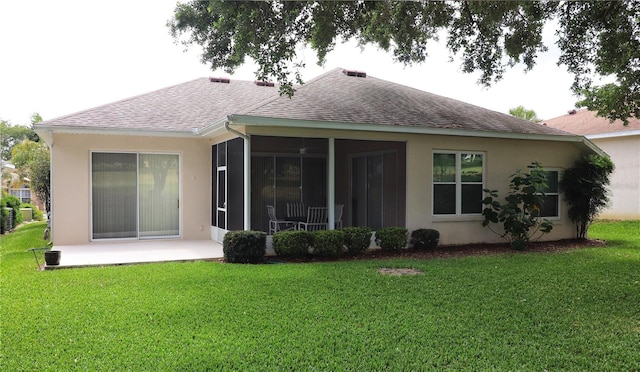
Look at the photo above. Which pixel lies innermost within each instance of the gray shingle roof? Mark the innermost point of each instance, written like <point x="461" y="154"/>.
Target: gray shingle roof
<point x="179" y="108"/>
<point x="337" y="97"/>
<point x="332" y="97"/>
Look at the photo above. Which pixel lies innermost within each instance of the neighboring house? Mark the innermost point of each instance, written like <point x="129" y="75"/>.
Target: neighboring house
<point x="622" y="144"/>
<point x="195" y="160"/>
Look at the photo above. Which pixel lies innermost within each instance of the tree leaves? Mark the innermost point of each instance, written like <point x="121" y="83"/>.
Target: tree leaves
<point x="596" y="38"/>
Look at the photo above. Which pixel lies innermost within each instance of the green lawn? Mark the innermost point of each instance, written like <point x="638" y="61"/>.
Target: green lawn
<point x="577" y="310"/>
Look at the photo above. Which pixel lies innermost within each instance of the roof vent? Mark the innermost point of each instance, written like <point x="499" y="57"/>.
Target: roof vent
<point x="354" y="73"/>
<point x="219" y="80"/>
<point x="572" y="112"/>
<point x="262" y="83"/>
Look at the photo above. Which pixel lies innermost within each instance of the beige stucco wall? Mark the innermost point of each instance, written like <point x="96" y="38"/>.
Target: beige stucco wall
<point x="625" y="180"/>
<point x="503" y="157"/>
<point x="70" y="181"/>
<point x="71" y="177"/>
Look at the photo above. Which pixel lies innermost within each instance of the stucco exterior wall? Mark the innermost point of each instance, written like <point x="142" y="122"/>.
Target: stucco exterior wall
<point x="70" y="181"/>
<point x="625" y="180"/>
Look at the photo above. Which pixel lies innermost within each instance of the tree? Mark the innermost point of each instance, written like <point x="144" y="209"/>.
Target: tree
<point x="585" y="189"/>
<point x="596" y="38"/>
<point x="32" y="160"/>
<point x="523" y="113"/>
<point x="12" y="135"/>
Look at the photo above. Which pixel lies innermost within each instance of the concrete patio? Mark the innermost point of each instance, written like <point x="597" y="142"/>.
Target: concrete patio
<point x="140" y="251"/>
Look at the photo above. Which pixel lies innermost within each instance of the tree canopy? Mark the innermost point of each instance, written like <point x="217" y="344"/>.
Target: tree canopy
<point x="525" y="114"/>
<point x="596" y="38"/>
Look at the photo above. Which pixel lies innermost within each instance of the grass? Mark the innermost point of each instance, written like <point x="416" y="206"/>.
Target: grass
<point x="576" y="310"/>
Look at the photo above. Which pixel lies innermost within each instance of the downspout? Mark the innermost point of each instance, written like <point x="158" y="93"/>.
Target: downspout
<point x="247" y="172"/>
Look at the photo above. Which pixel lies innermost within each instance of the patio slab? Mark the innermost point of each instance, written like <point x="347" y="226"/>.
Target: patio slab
<point x="142" y="251"/>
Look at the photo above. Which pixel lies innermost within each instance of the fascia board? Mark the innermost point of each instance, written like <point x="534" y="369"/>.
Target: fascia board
<point x="47" y="130"/>
<point x="614" y="134"/>
<point x="292" y="123"/>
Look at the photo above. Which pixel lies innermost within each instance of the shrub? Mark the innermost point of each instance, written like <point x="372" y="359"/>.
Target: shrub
<point x="357" y="239"/>
<point x="37" y="213"/>
<point x="520" y="214"/>
<point x="391" y="238"/>
<point x="244" y="246"/>
<point x="292" y="243"/>
<point x="585" y="189"/>
<point x="423" y="239"/>
<point x="328" y="243"/>
<point x="12" y="202"/>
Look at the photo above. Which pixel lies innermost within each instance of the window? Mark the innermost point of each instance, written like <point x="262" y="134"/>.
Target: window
<point x="551" y="205"/>
<point x="458" y="180"/>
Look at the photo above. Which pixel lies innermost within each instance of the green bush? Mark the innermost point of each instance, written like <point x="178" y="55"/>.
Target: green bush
<point x="328" y="243"/>
<point x="357" y="239"/>
<point x="13" y="202"/>
<point x="520" y="213"/>
<point x="391" y="238"/>
<point x="37" y="213"/>
<point x="244" y="246"/>
<point x="292" y="243"/>
<point x="423" y="239"/>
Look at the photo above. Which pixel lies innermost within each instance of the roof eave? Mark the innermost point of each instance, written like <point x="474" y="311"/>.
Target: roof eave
<point x="48" y="130"/>
<point x="291" y="123"/>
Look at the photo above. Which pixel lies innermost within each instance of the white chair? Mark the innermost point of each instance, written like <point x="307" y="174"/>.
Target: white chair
<point x="275" y="224"/>
<point x="338" y="215"/>
<point x="316" y="219"/>
<point x="296" y="211"/>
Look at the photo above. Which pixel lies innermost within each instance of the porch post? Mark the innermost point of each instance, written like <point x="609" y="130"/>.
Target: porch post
<point x="331" y="185"/>
<point x="247" y="182"/>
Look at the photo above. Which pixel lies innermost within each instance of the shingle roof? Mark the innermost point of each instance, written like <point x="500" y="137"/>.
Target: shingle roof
<point x="333" y="97"/>
<point x="585" y="122"/>
<point x="179" y="108"/>
<point x="337" y="97"/>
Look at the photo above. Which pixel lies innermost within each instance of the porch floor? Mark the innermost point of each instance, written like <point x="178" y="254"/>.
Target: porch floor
<point x="141" y="251"/>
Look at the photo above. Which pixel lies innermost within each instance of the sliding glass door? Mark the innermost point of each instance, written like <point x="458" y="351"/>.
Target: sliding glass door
<point x="135" y="195"/>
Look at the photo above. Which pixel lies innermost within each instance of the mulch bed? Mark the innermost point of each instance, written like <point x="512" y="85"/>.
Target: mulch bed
<point x="452" y="251"/>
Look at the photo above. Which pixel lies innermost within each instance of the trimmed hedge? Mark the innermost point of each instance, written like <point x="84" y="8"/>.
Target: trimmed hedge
<point x="391" y="238"/>
<point x="356" y="239"/>
<point x="244" y="246"/>
<point x="423" y="239"/>
<point x="293" y="244"/>
<point x="328" y="243"/>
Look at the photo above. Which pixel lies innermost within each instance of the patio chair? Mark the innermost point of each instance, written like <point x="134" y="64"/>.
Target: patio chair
<point x="275" y="224"/>
<point x="296" y="211"/>
<point x="338" y="215"/>
<point x="316" y="219"/>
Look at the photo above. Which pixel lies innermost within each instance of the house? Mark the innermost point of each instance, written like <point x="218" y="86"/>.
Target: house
<point x="622" y="144"/>
<point x="195" y="160"/>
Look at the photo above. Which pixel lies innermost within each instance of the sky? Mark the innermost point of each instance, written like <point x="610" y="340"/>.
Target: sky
<point x="64" y="56"/>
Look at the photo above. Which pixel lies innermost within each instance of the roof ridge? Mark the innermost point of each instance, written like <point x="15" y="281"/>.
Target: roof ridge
<point x="299" y="87"/>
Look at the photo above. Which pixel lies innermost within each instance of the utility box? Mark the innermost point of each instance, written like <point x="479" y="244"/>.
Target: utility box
<point x="27" y="214"/>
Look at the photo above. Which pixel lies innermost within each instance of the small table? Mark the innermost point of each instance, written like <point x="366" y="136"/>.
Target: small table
<point x="296" y="221"/>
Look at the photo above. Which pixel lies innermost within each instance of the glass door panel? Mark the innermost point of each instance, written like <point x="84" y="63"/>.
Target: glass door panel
<point x="159" y="188"/>
<point x="114" y="195"/>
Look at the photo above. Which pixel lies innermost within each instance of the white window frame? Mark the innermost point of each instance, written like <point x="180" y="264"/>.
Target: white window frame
<point x="557" y="193"/>
<point x="458" y="181"/>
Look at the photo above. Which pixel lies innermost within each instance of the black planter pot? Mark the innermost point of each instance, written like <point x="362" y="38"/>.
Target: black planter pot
<point x="52" y="258"/>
